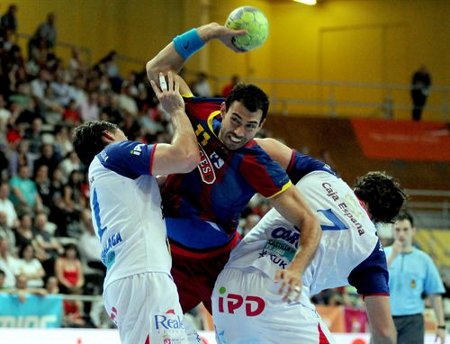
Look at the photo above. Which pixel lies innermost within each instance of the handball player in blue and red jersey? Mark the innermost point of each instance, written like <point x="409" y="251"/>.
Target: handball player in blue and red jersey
<point x="202" y="208"/>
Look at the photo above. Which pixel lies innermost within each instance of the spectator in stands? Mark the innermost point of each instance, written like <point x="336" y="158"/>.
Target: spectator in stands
<point x="250" y="221"/>
<point x="34" y="136"/>
<point x="71" y="114"/>
<point x="52" y="285"/>
<point x="73" y="202"/>
<point x="131" y="127"/>
<point x="8" y="264"/>
<point x="69" y="164"/>
<point x="412" y="273"/>
<point x="45" y="35"/>
<point x="126" y="102"/>
<point x="24" y="195"/>
<point x="7" y="232"/>
<point x="2" y="281"/>
<point x="229" y="87"/>
<point x="8" y="42"/>
<point x="201" y="87"/>
<point x="6" y="206"/>
<point x="58" y="207"/>
<point x="61" y="89"/>
<point x="79" y="90"/>
<point x="48" y="157"/>
<point x="75" y="65"/>
<point x="46" y="242"/>
<point x="24" y="233"/>
<point x="22" y="290"/>
<point x="69" y="273"/>
<point x="53" y="111"/>
<point x="9" y="19"/>
<point x="5" y="115"/>
<point x="89" y="110"/>
<point x="4" y="163"/>
<point x="39" y="84"/>
<point x="63" y="144"/>
<point x="20" y="156"/>
<point x="42" y="181"/>
<point x="18" y="78"/>
<point x="89" y="245"/>
<point x="30" y="267"/>
<point x="420" y="89"/>
<point x="112" y="111"/>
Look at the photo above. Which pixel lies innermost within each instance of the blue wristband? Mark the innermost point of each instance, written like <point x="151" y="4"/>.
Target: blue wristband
<point x="188" y="43"/>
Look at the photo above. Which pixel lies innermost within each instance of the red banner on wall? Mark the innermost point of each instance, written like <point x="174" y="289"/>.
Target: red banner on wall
<point x="403" y="140"/>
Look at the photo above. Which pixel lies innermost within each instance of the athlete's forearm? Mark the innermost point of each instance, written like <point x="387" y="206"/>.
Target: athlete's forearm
<point x="169" y="59"/>
<point x="184" y="139"/>
<point x="309" y="240"/>
<point x="292" y="206"/>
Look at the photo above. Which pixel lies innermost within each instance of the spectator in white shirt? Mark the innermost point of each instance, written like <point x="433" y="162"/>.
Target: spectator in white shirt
<point x="6" y="206"/>
<point x="89" y="110"/>
<point x="89" y="246"/>
<point x="31" y="267"/>
<point x="8" y="264"/>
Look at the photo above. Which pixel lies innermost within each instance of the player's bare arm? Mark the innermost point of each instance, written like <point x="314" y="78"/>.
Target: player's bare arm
<point x="380" y="320"/>
<point x="182" y="154"/>
<point x="298" y="213"/>
<point x="169" y="59"/>
<point x="291" y="205"/>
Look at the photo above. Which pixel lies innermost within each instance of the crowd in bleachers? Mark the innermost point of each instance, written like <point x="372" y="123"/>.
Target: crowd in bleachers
<point x="47" y="242"/>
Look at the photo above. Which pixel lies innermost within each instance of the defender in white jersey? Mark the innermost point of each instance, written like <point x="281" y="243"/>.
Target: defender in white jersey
<point x="247" y="306"/>
<point x="139" y="292"/>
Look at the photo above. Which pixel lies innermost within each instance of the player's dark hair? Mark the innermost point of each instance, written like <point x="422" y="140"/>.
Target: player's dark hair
<point x="251" y="96"/>
<point x="382" y="194"/>
<point x="88" y="139"/>
<point x="405" y="216"/>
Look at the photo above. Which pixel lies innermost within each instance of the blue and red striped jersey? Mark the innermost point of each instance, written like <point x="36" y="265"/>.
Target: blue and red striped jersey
<point x="203" y="207"/>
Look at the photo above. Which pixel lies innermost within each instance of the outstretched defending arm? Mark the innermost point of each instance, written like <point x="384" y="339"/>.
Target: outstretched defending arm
<point x="380" y="320"/>
<point x="182" y="154"/>
<point x="292" y="206"/>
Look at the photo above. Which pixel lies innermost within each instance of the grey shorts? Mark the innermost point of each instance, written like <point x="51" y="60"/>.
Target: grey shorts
<point x="410" y="329"/>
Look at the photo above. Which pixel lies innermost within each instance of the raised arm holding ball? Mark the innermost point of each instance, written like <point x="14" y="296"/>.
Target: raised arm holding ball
<point x="202" y="208"/>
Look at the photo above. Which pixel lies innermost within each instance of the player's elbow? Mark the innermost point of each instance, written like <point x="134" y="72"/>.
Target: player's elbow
<point x="152" y="73"/>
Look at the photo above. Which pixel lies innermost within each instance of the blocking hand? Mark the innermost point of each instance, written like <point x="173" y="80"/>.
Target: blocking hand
<point x="291" y="284"/>
<point x="168" y="93"/>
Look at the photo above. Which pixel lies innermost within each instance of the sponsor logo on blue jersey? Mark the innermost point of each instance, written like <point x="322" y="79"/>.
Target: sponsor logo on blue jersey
<point x="108" y="256"/>
<point x="137" y="150"/>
